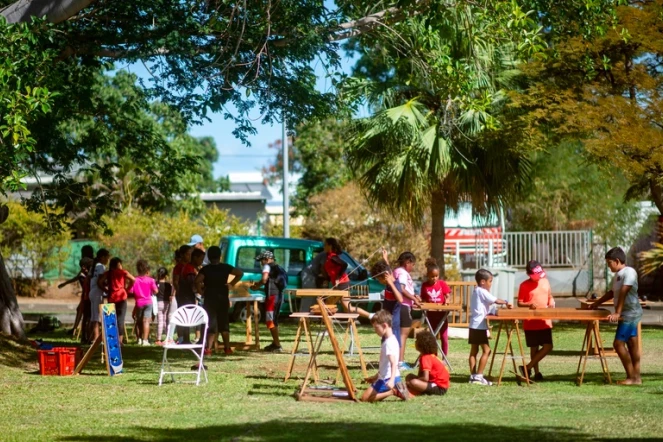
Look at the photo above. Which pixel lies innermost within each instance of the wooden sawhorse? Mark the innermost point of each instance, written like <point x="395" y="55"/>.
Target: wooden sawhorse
<point x="252" y="323"/>
<point x="509" y="320"/>
<point x="351" y="337"/>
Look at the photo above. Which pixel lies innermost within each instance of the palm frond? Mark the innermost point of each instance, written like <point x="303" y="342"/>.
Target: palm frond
<point x="651" y="260"/>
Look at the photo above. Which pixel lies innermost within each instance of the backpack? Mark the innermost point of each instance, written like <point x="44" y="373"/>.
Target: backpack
<point x="278" y="276"/>
<point x="46" y="324"/>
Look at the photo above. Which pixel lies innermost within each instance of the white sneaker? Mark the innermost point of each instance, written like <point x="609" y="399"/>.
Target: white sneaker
<point x="145" y="343"/>
<point x="140" y="341"/>
<point x="474" y="379"/>
<point x="485" y="381"/>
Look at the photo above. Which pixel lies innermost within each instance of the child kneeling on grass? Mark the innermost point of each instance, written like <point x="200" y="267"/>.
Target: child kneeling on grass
<point x="433" y="377"/>
<point x="387" y="381"/>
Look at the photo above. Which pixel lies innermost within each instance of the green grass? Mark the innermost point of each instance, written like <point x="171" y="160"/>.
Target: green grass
<point x="247" y="400"/>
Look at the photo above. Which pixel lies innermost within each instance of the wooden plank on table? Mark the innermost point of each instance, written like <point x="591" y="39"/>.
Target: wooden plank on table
<point x="334" y="316"/>
<point x="585" y="303"/>
<point x="241" y="289"/>
<point x="431" y="307"/>
<point x="314" y="293"/>
<point x="570" y="314"/>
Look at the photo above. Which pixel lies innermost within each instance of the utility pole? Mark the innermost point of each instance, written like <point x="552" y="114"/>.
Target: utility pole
<point x="286" y="191"/>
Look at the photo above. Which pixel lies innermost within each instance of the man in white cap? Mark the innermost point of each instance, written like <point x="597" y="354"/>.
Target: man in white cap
<point x="196" y="242"/>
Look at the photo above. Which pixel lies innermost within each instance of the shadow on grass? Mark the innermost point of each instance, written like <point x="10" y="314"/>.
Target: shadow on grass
<point x="279" y="431"/>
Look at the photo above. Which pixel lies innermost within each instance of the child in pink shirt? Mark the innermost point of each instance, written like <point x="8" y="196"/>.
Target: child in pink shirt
<point x="143" y="289"/>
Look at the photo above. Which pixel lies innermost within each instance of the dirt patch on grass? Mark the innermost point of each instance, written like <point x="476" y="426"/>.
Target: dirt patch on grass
<point x="17" y="354"/>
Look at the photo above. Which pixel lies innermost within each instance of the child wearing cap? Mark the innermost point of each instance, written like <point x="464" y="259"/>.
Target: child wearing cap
<point x="535" y="293"/>
<point x="273" y="280"/>
<point x="628" y="312"/>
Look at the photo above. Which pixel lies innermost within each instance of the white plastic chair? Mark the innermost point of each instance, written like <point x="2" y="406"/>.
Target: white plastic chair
<point x="185" y="316"/>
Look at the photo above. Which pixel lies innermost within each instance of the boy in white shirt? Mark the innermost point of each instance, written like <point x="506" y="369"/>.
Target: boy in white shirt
<point x="480" y="306"/>
<point x="387" y="381"/>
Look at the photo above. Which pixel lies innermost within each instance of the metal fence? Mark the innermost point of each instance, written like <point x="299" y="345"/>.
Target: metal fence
<point x="551" y="249"/>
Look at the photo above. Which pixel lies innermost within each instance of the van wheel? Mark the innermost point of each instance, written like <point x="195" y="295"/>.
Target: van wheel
<point x="239" y="314"/>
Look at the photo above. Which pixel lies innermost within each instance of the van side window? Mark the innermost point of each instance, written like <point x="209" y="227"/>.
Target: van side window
<point x="292" y="260"/>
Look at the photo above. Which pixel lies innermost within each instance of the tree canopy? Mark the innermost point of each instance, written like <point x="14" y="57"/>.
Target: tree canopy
<point x="605" y="90"/>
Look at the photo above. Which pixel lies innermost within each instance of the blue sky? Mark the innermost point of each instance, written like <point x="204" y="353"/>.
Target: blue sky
<point x="233" y="155"/>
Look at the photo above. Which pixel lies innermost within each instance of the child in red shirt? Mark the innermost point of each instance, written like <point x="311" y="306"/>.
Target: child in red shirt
<point x="436" y="291"/>
<point x="433" y="377"/>
<point x="119" y="282"/>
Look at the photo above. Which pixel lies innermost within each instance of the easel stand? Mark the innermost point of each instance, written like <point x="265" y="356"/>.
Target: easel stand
<point x="350" y="339"/>
<point x="327" y="394"/>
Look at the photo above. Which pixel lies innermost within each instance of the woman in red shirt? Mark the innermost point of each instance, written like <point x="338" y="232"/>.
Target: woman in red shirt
<point x="335" y="269"/>
<point x="119" y="282"/>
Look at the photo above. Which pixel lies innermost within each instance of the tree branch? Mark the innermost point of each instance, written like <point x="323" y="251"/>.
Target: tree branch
<point x="56" y="11"/>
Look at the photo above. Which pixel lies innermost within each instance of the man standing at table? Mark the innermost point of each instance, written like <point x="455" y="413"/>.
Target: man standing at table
<point x="628" y="312"/>
<point x="311" y="279"/>
<point x="535" y="293"/>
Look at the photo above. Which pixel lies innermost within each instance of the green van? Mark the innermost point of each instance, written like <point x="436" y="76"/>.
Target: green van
<point x="291" y="254"/>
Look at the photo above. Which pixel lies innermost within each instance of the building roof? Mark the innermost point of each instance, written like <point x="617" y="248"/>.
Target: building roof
<point x="210" y="197"/>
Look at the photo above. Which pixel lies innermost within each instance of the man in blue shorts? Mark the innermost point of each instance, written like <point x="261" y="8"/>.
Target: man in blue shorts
<point x="627" y="311"/>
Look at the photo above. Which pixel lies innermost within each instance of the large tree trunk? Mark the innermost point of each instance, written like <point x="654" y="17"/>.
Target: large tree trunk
<point x="11" y="319"/>
<point x="55" y="11"/>
<point x="438" y="209"/>
<point x="657" y="194"/>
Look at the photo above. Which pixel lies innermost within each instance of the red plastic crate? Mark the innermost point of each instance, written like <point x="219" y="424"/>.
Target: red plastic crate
<point x="49" y="362"/>
<point x="58" y="361"/>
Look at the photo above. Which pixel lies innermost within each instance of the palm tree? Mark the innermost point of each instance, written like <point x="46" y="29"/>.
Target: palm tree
<point x="436" y="139"/>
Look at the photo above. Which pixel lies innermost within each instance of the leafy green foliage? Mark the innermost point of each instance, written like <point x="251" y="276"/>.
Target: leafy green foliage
<point x="24" y="68"/>
<point x="344" y="213"/>
<point x="28" y="242"/>
<point x="218" y="56"/>
<point x="651" y="260"/>
<point x="604" y="89"/>
<point x="318" y="153"/>
<point x="568" y="191"/>
<point x="437" y="137"/>
<point x="155" y="237"/>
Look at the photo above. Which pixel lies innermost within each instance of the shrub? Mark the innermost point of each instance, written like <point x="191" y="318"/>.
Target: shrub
<point x="30" y="247"/>
<point x="155" y="236"/>
<point x="344" y="213"/>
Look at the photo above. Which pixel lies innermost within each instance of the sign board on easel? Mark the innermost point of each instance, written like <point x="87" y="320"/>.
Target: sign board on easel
<point x="110" y="337"/>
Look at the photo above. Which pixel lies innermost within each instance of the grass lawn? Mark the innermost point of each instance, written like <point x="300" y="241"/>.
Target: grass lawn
<point x="247" y="400"/>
